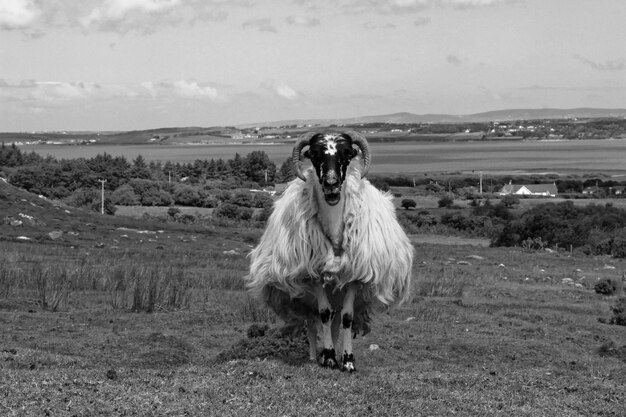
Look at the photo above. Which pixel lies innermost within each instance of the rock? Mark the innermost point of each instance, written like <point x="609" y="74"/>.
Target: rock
<point x="373" y="347"/>
<point x="463" y="263"/>
<point x="567" y="281"/>
<point x="608" y="267"/>
<point x="410" y="318"/>
<point x="477" y="257"/>
<point x="23" y="238"/>
<point x="501" y="266"/>
<point x="230" y="252"/>
<point x="55" y="234"/>
<point x="16" y="223"/>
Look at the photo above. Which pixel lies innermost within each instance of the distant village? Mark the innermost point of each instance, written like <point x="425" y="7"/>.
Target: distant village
<point x="544" y="129"/>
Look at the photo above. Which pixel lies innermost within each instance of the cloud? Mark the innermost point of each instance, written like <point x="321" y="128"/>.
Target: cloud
<point x="17" y="14"/>
<point x="611" y="65"/>
<point x="466" y="4"/>
<point x="413" y="6"/>
<point x="281" y="90"/>
<point x="607" y="88"/>
<point x="421" y="21"/>
<point x="454" y="60"/>
<point x="180" y="89"/>
<point x="386" y="6"/>
<point x="191" y="89"/>
<point x="303" y="21"/>
<point x="261" y="24"/>
<point x="36" y="17"/>
<point x="287" y="92"/>
<point x="51" y="93"/>
<point x="125" y="15"/>
<point x="371" y="26"/>
<point x="62" y="94"/>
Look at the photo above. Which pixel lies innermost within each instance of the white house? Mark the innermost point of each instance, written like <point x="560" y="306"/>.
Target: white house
<point x="544" y="190"/>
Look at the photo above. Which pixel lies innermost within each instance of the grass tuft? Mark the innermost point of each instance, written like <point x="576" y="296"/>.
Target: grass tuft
<point x="447" y="283"/>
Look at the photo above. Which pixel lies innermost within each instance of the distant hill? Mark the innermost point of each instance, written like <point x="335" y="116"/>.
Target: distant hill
<point x="222" y="134"/>
<point x="497" y="115"/>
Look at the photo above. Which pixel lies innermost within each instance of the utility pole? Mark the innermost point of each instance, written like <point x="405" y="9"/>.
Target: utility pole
<point x="102" y="201"/>
<point x="481" y="183"/>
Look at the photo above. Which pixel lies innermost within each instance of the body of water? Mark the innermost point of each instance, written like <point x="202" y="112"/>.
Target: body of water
<point x="403" y="158"/>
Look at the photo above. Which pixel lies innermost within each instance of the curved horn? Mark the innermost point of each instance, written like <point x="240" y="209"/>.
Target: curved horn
<point x="361" y="142"/>
<point x="296" y="155"/>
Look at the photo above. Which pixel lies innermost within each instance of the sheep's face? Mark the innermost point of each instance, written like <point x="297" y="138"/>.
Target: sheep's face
<point x="330" y="155"/>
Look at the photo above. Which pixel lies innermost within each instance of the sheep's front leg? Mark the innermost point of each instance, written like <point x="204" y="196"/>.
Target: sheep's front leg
<point x="347" y="316"/>
<point x="326" y="314"/>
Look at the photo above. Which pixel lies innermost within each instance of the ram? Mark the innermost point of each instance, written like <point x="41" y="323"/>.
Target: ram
<point x="333" y="251"/>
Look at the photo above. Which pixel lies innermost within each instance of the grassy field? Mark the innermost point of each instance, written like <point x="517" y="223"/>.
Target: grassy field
<point x="125" y="317"/>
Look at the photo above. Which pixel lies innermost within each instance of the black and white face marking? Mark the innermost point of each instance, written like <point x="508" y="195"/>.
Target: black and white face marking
<point x="331" y="154"/>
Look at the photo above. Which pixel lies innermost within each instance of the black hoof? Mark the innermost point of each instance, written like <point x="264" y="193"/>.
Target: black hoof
<point x="347" y="363"/>
<point x="328" y="359"/>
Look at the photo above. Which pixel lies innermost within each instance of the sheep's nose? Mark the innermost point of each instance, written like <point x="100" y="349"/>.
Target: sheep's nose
<point x="331" y="178"/>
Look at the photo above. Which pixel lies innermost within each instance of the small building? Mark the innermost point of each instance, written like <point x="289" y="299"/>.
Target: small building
<point x="539" y="190"/>
<point x="618" y="190"/>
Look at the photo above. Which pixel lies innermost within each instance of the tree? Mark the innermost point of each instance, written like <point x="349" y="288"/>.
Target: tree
<point x="258" y="167"/>
<point x="287" y="171"/>
<point x="408" y="203"/>
<point x="140" y="168"/>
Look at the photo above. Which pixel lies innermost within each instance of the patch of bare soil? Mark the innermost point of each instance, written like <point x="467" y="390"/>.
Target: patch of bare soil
<point x="263" y="342"/>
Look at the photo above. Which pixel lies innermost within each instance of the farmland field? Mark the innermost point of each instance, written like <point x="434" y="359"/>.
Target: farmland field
<point x="496" y="157"/>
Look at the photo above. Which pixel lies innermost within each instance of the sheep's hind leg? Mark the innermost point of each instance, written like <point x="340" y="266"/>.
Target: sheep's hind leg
<point x="311" y="334"/>
<point x="347" y="315"/>
<point x="326" y="314"/>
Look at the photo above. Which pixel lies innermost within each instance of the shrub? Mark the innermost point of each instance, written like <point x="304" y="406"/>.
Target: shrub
<point x="173" y="211"/>
<point x="185" y="195"/>
<point x="125" y="196"/>
<point x="156" y="197"/>
<point x="619" y="313"/>
<point x="241" y="198"/>
<point x="445" y="202"/>
<point x="268" y="207"/>
<point x="234" y="212"/>
<point x="598" y="229"/>
<point x="606" y="286"/>
<point x="510" y="201"/>
<point x="186" y="218"/>
<point x="408" y="203"/>
<point x="259" y="200"/>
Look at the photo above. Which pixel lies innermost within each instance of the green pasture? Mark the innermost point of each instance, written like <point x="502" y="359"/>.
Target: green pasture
<point x="127" y="326"/>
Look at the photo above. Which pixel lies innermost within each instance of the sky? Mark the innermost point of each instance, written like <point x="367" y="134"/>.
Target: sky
<point x="141" y="64"/>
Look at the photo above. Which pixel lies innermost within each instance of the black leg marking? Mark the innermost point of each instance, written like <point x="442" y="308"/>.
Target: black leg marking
<point x="329" y="359"/>
<point x="346" y="320"/>
<point x="326" y="315"/>
<point x="347" y="362"/>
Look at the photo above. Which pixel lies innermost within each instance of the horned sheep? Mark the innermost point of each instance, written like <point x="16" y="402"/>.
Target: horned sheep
<point x="332" y="245"/>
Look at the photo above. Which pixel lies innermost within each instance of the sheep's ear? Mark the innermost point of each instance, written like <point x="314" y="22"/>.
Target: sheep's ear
<point x="353" y="153"/>
<point x="306" y="154"/>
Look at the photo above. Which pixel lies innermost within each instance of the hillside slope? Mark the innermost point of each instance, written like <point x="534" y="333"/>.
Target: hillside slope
<point x="26" y="217"/>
